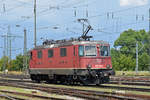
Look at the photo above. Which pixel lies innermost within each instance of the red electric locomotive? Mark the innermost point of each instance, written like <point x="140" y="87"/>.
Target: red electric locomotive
<point x="70" y="61"/>
<point x="76" y="60"/>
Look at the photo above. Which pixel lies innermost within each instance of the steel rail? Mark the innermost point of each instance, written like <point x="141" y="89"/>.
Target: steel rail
<point x="27" y="95"/>
<point x="75" y="92"/>
<point x="90" y="95"/>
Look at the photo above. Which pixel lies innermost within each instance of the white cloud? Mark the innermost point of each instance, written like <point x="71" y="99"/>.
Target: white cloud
<point x="133" y="2"/>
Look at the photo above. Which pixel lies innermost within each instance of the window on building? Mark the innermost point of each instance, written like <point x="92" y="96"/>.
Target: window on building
<point x="90" y="51"/>
<point x="63" y="52"/>
<point x="81" y="50"/>
<point x="50" y="53"/>
<point x="39" y="55"/>
<point x="104" y="51"/>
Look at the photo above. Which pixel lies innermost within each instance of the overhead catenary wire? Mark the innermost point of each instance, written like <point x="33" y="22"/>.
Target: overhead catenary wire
<point x="40" y="13"/>
<point x="11" y="9"/>
<point x="47" y="10"/>
<point x="89" y="16"/>
<point x="117" y="11"/>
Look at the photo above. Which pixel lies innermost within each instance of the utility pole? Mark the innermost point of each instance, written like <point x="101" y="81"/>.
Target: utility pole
<point x="25" y="51"/>
<point x="10" y="50"/>
<point x="9" y="45"/>
<point x="149" y="35"/>
<point x="34" y="23"/>
<point x="149" y="20"/>
<point x="7" y="48"/>
<point x="8" y="34"/>
<point x="4" y="54"/>
<point x="136" y="69"/>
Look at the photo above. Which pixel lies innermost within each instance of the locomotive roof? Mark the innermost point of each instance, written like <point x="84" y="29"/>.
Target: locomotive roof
<point x="69" y="43"/>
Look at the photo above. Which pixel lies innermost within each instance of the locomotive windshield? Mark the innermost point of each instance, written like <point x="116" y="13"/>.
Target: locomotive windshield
<point x="104" y="51"/>
<point x="90" y="51"/>
<point x="87" y="51"/>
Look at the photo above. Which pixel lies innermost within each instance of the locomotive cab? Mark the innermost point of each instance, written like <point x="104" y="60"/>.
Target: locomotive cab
<point x="95" y="56"/>
<point x="96" y="60"/>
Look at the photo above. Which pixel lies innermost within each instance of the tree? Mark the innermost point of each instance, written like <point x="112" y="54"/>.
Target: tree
<point x="121" y="61"/>
<point x="4" y="62"/>
<point x="17" y="64"/>
<point x="144" y="60"/>
<point x="124" y="51"/>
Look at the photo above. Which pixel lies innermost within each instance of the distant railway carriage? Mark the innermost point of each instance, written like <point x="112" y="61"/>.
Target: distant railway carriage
<point x="87" y="62"/>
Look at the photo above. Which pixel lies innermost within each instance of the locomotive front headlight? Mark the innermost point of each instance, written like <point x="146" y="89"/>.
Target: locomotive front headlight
<point x="108" y="66"/>
<point x="105" y="74"/>
<point x="89" y="66"/>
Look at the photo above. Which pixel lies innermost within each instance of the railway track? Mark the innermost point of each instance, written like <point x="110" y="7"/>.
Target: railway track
<point x="90" y="95"/>
<point x="28" y="84"/>
<point x="126" y="88"/>
<point x="130" y="83"/>
<point x="3" y="96"/>
<point x="85" y="94"/>
<point x="26" y="95"/>
<point x="112" y="78"/>
<point x="111" y="82"/>
<point x="130" y="78"/>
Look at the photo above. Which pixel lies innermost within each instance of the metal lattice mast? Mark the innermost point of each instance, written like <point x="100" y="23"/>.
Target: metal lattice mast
<point x="136" y="69"/>
<point x="4" y="54"/>
<point x="25" y="51"/>
<point x="34" y="23"/>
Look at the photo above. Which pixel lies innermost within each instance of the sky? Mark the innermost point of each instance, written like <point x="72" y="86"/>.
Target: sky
<point x="56" y="19"/>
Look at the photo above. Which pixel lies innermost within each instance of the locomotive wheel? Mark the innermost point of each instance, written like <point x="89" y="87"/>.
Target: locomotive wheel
<point x="35" y="79"/>
<point x="69" y="80"/>
<point x="98" y="82"/>
<point x="38" y="78"/>
<point x="32" y="77"/>
<point x="49" y="81"/>
<point x="84" y="80"/>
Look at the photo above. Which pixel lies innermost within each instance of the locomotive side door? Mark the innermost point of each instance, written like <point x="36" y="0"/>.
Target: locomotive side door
<point x="32" y="59"/>
<point x="75" y="57"/>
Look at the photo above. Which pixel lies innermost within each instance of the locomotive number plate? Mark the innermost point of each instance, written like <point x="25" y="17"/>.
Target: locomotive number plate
<point x="99" y="66"/>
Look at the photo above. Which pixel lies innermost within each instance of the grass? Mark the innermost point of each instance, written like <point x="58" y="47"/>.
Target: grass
<point x="15" y="72"/>
<point x="12" y="72"/>
<point x="132" y="73"/>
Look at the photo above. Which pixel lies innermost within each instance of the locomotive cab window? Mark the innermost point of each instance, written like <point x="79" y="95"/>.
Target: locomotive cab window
<point x="81" y="50"/>
<point x="104" y="51"/>
<point x="39" y="54"/>
<point x="63" y="52"/>
<point x="90" y="51"/>
<point x="50" y="53"/>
